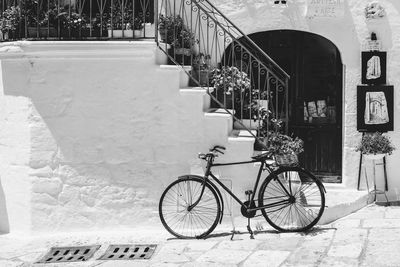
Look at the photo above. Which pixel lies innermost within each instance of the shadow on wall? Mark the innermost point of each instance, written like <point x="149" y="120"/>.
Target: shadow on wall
<point x="4" y="224"/>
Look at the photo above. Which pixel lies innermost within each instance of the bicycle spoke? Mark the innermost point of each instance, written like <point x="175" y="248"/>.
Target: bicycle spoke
<point x="298" y="211"/>
<point x="200" y="219"/>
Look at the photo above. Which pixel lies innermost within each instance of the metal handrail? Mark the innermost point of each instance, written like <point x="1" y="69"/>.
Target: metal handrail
<point x="257" y="49"/>
<point x="76" y="20"/>
<point x="186" y="24"/>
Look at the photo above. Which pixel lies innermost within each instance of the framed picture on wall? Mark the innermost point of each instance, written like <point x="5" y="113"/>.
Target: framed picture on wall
<point x="375" y="108"/>
<point x="373" y="67"/>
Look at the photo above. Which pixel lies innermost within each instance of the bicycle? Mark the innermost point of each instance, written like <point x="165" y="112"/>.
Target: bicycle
<point x="291" y="199"/>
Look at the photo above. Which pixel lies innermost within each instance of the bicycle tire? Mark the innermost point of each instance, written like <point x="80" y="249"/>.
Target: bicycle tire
<point x="197" y="223"/>
<point x="297" y="213"/>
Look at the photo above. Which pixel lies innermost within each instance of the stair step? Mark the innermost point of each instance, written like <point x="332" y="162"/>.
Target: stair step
<point x="194" y="90"/>
<point x="183" y="77"/>
<point x="221" y="111"/>
<point x="199" y="93"/>
<point x="175" y="67"/>
<point x="244" y="133"/>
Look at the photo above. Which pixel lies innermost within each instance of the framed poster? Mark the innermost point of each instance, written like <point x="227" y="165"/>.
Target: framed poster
<point x="375" y="108"/>
<point x="373" y="67"/>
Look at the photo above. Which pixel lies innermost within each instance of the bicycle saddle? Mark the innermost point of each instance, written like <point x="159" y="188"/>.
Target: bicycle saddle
<point x="262" y="156"/>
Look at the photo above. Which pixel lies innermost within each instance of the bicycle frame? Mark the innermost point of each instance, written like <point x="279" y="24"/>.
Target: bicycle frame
<point x="208" y="173"/>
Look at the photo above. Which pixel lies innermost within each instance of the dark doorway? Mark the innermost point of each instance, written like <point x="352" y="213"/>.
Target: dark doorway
<point x="315" y="96"/>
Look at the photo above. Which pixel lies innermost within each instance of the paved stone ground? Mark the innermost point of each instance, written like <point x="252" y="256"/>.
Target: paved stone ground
<point x="369" y="237"/>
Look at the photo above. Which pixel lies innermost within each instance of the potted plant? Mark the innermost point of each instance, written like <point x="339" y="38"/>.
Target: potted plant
<point x="201" y="68"/>
<point x="99" y="25"/>
<point x="120" y="23"/>
<point x="184" y="46"/>
<point x="40" y="23"/>
<point x="72" y="24"/>
<point x="138" y="27"/>
<point x="375" y="146"/>
<point x="9" y="22"/>
<point x="169" y="27"/>
<point x="229" y="85"/>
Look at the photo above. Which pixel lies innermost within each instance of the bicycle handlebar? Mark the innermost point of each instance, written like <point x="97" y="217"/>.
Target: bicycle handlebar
<point x="212" y="152"/>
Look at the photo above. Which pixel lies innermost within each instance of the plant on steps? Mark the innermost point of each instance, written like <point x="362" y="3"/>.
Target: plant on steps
<point x="169" y="27"/>
<point x="201" y="68"/>
<point x="230" y="85"/>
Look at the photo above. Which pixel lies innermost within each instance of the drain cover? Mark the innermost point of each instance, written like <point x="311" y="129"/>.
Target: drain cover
<point x="128" y="252"/>
<point x="69" y="254"/>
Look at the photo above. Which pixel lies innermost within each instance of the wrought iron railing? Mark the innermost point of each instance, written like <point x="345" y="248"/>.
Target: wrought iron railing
<point x="239" y="76"/>
<point x="76" y="19"/>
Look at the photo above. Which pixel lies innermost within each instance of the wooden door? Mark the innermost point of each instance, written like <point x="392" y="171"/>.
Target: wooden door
<point x="315" y="96"/>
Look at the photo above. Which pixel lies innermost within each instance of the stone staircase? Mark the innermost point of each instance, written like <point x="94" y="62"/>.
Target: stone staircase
<point x="220" y="129"/>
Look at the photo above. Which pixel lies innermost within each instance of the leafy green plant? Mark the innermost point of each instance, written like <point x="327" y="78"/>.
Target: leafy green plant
<point x="169" y="27"/>
<point x="185" y="39"/>
<point x="375" y="143"/>
<point x="71" y="20"/>
<point x="122" y="17"/>
<point x="201" y="62"/>
<point x="281" y="144"/>
<point x="138" y="23"/>
<point x="10" y="19"/>
<point x="230" y="80"/>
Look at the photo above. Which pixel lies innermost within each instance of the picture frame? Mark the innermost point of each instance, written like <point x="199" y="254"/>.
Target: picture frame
<point x="375" y="108"/>
<point x="373" y="67"/>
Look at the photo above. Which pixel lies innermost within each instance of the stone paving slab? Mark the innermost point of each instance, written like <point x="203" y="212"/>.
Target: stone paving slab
<point x="270" y="258"/>
<point x="359" y="239"/>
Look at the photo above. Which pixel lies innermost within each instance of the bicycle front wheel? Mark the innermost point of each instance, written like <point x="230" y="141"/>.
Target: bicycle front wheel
<point x="293" y="199"/>
<point x="197" y="222"/>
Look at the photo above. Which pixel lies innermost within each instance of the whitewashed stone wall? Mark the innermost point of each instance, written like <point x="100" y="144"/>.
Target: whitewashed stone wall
<point x="89" y="135"/>
<point x="92" y="133"/>
<point x="348" y="33"/>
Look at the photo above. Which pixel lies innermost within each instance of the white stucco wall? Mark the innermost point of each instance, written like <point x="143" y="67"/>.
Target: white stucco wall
<point x="91" y="133"/>
<point x="348" y="33"/>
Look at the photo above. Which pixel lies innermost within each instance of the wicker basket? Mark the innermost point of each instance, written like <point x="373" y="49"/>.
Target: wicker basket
<point x="286" y="160"/>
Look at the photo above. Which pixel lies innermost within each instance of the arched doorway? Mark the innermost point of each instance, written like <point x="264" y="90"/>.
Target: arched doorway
<point x="315" y="95"/>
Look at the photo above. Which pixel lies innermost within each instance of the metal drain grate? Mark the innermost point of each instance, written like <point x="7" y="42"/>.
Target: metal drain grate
<point x="128" y="252"/>
<point x="69" y="254"/>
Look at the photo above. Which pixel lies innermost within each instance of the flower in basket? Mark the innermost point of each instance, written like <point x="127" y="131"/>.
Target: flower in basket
<point x="375" y="143"/>
<point x="281" y="144"/>
<point x="284" y="148"/>
<point x="230" y="80"/>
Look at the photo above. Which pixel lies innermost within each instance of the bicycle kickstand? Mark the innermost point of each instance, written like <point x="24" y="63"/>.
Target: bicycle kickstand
<point x="248" y="219"/>
<point x="249" y="229"/>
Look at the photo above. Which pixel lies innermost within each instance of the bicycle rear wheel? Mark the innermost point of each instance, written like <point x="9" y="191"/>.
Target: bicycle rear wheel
<point x="294" y="199"/>
<point x="174" y="213"/>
